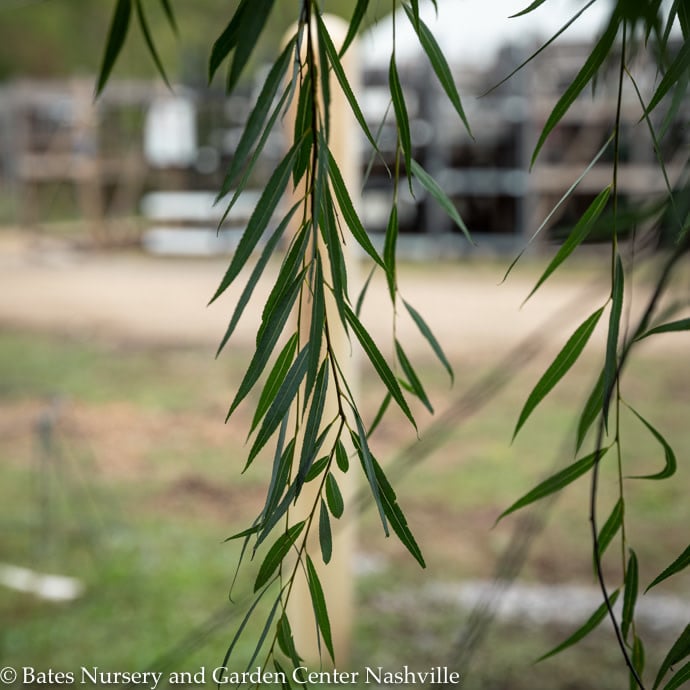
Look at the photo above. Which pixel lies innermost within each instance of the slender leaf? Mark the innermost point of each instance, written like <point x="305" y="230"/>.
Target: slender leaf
<point x="590" y="624"/>
<point x="576" y="236"/>
<point x="271" y="196"/>
<point x="363" y="292"/>
<point x="277" y="553"/>
<point x="119" y="24"/>
<point x="349" y="214"/>
<point x="275" y="380"/>
<point x="559" y="367"/>
<point x="280" y="472"/>
<point x="339" y="72"/>
<point x="389" y="251"/>
<point x="595" y="60"/>
<point x="678" y="680"/>
<point x="257" y="118"/>
<point x="303" y="127"/>
<point x="336" y="257"/>
<point x="319" y="603"/>
<point x="355" y="22"/>
<point x="266" y="345"/>
<point x="170" y="15"/>
<point x="610" y="527"/>
<point x="556" y="482"/>
<point x="671" y="463"/>
<point x="316" y="327"/>
<point x="439" y="64"/>
<point x="630" y="595"/>
<point x="533" y="6"/>
<point x="430" y="338"/>
<point x="325" y="537"/>
<point x="682" y="562"/>
<point x="310" y="446"/>
<point x="412" y="378"/>
<point x="637" y="662"/>
<point x="671" y="327"/>
<point x="264" y="632"/>
<point x="678" y="652"/>
<point x="148" y="38"/>
<point x="341" y="457"/>
<point x="430" y="184"/>
<point x="611" y="361"/>
<point x="334" y="497"/>
<point x="227" y="41"/>
<point x="590" y="411"/>
<point x="256" y="273"/>
<point x="401" y="117"/>
<point x="253" y="23"/>
<point x="280" y="403"/>
<point x="317" y="469"/>
<point x="380" y="364"/>
<point x="674" y="75"/>
<point x="286" y="641"/>
<point x="395" y="515"/>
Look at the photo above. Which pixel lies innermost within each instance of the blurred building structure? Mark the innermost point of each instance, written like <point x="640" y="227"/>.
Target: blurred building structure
<point x="142" y="150"/>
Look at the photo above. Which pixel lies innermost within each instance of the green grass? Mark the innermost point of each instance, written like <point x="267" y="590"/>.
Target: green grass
<point x="143" y="500"/>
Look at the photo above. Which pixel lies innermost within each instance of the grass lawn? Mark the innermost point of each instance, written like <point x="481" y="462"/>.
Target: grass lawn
<point x="116" y="468"/>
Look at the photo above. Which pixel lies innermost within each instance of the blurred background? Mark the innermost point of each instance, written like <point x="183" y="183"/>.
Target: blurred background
<point x="119" y="480"/>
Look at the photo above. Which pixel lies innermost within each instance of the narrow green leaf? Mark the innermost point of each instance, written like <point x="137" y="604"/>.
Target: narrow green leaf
<point x="280" y="472"/>
<point x="528" y="9"/>
<point x="167" y="8"/>
<point x="119" y="24"/>
<point x="678" y="652"/>
<point x="310" y="446"/>
<point x="430" y="338"/>
<point x="265" y="347"/>
<point x="274" y="517"/>
<point x="363" y="292"/>
<point x="336" y="258"/>
<point x="257" y="118"/>
<point x="355" y="22"/>
<point x="401" y="117"/>
<point x="334" y="497"/>
<point x="341" y="457"/>
<point x="227" y="41"/>
<point x="671" y="463"/>
<point x="148" y="38"/>
<point x="379" y="414"/>
<point x="316" y="469"/>
<point x="681" y="677"/>
<point x="379" y="363"/>
<point x="682" y="562"/>
<point x="556" y="482"/>
<point x="362" y="446"/>
<point x="286" y="641"/>
<point x="611" y="527"/>
<point x="349" y="214"/>
<point x="316" y="327"/>
<point x="630" y="595"/>
<point x="275" y="380"/>
<point x="412" y="377"/>
<point x="302" y="128"/>
<point x="611" y="361"/>
<point x="595" y="60"/>
<point x="325" y="104"/>
<point x="256" y="273"/>
<point x="637" y="662"/>
<point x="591" y="410"/>
<point x="247" y="533"/>
<point x="396" y="516"/>
<point x="284" y="675"/>
<point x="276" y="554"/>
<point x="253" y="23"/>
<point x="325" y="537"/>
<point x="674" y="75"/>
<point x="319" y="603"/>
<point x="559" y="367"/>
<point x="266" y="206"/>
<point x="339" y="72"/>
<point x="389" y="251"/>
<point x="576" y="236"/>
<point x="439" y="64"/>
<point x="671" y="327"/>
<point x="589" y="625"/>
<point x="280" y="403"/>
<point x="264" y="633"/>
<point x="430" y="184"/>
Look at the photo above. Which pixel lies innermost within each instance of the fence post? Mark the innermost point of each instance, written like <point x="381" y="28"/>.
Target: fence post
<point x="337" y="578"/>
